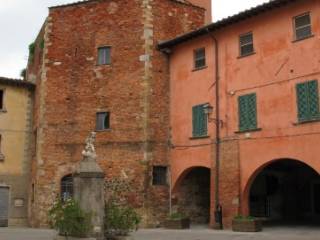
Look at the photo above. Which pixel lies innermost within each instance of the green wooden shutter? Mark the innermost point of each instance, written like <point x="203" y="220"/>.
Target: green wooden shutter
<point x="313" y="99"/>
<point x="199" y="121"/>
<point x="308" y="100"/>
<point x="247" y="112"/>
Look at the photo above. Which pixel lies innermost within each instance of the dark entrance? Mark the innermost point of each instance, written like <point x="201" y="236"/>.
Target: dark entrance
<point x="4" y="206"/>
<point x="193" y="195"/>
<point x="286" y="191"/>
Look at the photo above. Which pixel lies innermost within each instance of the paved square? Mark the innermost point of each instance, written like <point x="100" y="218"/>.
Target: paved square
<point x="274" y="233"/>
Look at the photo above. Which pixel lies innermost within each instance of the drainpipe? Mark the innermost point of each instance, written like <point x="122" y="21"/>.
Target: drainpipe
<point x="218" y="208"/>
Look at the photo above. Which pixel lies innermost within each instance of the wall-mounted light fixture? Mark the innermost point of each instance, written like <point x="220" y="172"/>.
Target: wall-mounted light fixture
<point x="208" y="110"/>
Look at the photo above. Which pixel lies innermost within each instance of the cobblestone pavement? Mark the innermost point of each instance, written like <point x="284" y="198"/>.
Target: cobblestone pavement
<point x="274" y="233"/>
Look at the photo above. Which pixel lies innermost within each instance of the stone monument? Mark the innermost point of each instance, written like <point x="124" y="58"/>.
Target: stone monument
<point x="89" y="187"/>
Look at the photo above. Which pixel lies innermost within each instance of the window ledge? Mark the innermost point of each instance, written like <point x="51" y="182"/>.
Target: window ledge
<point x="2" y="157"/>
<point x="199" y="68"/>
<point x="301" y="39"/>
<point x="200" y="137"/>
<point x="3" y="110"/>
<point x="104" y="130"/>
<point x="246" y="55"/>
<point x="307" y="121"/>
<point x="249" y="130"/>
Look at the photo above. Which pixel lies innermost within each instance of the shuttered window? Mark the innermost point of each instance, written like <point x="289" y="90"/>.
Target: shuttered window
<point x="247" y="112"/>
<point x="308" y="101"/>
<point x="302" y="26"/>
<point x="246" y="44"/>
<point x="199" y="121"/>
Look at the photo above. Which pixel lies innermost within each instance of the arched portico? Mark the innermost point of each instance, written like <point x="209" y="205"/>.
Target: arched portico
<point x="191" y="194"/>
<point x="283" y="190"/>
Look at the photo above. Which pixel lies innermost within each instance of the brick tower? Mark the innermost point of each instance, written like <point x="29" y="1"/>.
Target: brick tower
<point x="206" y="4"/>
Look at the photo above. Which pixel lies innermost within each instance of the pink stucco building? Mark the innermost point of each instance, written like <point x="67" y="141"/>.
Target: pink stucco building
<point x="244" y="115"/>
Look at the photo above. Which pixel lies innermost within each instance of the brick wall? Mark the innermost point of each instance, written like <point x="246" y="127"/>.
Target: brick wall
<point x="134" y="89"/>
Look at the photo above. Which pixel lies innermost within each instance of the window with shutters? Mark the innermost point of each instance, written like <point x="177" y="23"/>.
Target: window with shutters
<point x="103" y="121"/>
<point x="104" y="56"/>
<point x="159" y="176"/>
<point x="199" y="121"/>
<point x="247" y="112"/>
<point x="308" y="101"/>
<point x="199" y="58"/>
<point x="246" y="44"/>
<point x="302" y="25"/>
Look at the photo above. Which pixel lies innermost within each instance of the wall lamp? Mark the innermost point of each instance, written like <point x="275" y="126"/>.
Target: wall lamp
<point x="208" y="110"/>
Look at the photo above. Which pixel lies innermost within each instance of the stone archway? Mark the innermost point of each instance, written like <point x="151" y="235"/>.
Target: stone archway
<point x="191" y="195"/>
<point x="285" y="191"/>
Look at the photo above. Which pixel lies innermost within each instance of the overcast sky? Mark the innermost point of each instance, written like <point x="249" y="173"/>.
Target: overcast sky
<point x="20" y="22"/>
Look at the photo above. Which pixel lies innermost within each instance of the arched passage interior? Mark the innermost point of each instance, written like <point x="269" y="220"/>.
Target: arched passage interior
<point x="192" y="195"/>
<point x="286" y="191"/>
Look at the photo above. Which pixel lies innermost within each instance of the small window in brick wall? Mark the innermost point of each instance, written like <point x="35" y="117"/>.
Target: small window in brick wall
<point x="159" y="176"/>
<point x="66" y="187"/>
<point x="199" y="58"/>
<point x="103" y="121"/>
<point x="104" y="56"/>
<point x="302" y="26"/>
<point x="246" y="44"/>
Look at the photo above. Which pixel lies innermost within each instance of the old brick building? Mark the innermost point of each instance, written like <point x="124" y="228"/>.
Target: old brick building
<point x="96" y="67"/>
<point x="244" y="113"/>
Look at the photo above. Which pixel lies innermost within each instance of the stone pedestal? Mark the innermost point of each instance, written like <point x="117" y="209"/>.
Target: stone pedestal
<point x="89" y="188"/>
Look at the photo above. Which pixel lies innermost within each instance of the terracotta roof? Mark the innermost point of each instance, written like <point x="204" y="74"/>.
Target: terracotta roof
<point x="16" y="82"/>
<point x="89" y="1"/>
<point x="249" y="13"/>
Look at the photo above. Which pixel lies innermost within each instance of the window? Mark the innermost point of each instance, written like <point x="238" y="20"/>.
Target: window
<point x="247" y="112"/>
<point x="199" y="121"/>
<point x="104" y="56"/>
<point x="66" y="187"/>
<point x="1" y="154"/>
<point x="246" y="44"/>
<point x="308" y="101"/>
<point x="199" y="58"/>
<point x="302" y="25"/>
<point x="103" y="121"/>
<point x="159" y="175"/>
<point x="1" y="100"/>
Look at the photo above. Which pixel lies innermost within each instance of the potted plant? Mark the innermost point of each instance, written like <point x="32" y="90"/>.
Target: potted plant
<point x="120" y="221"/>
<point x="120" y="217"/>
<point x="246" y="224"/>
<point x="70" y="220"/>
<point x="177" y="221"/>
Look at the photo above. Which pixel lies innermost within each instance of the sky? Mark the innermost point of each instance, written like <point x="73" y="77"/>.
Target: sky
<point x="21" y="20"/>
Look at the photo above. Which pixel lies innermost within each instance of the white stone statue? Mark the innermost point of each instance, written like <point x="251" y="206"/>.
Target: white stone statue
<point x="89" y="151"/>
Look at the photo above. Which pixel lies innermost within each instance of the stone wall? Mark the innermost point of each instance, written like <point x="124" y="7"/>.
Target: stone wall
<point x="134" y="89"/>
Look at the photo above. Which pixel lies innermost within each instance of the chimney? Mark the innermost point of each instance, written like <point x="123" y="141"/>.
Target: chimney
<point x="204" y="4"/>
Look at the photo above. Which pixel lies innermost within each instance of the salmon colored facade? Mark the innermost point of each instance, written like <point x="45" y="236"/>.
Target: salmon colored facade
<point x="272" y="72"/>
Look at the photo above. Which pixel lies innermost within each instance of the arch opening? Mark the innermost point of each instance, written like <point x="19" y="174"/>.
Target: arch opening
<point x="66" y="187"/>
<point x="192" y="195"/>
<point x="286" y="191"/>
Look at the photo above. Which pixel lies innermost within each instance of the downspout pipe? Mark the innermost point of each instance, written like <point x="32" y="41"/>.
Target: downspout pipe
<point x="218" y="208"/>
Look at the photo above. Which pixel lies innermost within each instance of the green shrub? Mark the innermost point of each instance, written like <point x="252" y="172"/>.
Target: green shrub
<point x="69" y="219"/>
<point x="120" y="220"/>
<point x="177" y="216"/>
<point x="32" y="48"/>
